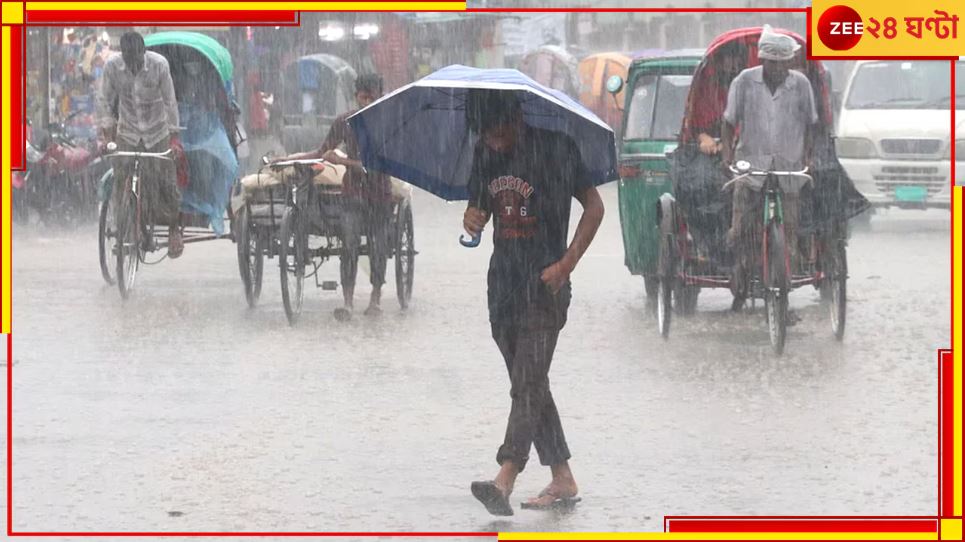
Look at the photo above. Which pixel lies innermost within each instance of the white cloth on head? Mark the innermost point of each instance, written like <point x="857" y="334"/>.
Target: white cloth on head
<point x="774" y="46"/>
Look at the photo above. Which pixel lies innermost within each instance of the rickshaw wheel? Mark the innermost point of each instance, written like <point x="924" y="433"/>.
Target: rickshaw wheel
<point x="775" y="297"/>
<point x="251" y="257"/>
<point x="107" y="240"/>
<point x="838" y="289"/>
<point x="404" y="254"/>
<point x="128" y="244"/>
<point x="776" y="304"/>
<point x="292" y="259"/>
<point x="665" y="286"/>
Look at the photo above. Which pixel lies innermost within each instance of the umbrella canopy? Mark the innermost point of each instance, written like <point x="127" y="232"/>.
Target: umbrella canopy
<point x="420" y="132"/>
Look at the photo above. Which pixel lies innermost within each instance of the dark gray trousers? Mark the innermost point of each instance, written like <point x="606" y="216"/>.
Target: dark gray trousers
<point x="527" y="343"/>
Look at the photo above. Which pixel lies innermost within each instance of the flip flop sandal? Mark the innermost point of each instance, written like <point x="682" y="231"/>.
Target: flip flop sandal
<point x="342" y="314"/>
<point x="373" y="311"/>
<point x="492" y="498"/>
<point x="558" y="503"/>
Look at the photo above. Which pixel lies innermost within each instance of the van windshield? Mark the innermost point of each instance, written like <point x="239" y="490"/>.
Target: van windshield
<point x="657" y="106"/>
<point x="900" y="85"/>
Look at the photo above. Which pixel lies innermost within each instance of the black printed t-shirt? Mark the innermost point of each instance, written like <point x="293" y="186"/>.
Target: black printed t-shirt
<point x="529" y="192"/>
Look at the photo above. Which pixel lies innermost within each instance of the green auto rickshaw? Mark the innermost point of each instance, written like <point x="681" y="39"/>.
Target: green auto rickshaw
<point x="656" y="92"/>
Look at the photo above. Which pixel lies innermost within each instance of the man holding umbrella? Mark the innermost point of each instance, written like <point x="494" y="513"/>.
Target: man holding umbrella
<point x="519" y="152"/>
<point x="524" y="179"/>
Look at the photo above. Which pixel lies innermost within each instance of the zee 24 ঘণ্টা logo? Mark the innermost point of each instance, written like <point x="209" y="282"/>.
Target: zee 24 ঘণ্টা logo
<point x="841" y="27"/>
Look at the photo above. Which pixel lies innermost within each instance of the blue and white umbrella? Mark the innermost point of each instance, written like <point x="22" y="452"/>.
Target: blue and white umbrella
<point x="420" y="134"/>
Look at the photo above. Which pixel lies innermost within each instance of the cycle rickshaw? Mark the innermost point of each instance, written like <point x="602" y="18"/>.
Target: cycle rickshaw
<point x="291" y="210"/>
<point x="692" y="221"/>
<point x="201" y="70"/>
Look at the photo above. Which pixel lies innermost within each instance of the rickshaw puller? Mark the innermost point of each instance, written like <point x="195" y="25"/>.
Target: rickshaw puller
<point x="774" y="109"/>
<point x="139" y="84"/>
<point x="366" y="202"/>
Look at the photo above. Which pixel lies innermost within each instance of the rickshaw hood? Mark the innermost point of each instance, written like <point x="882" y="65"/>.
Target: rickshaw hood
<point x="219" y="57"/>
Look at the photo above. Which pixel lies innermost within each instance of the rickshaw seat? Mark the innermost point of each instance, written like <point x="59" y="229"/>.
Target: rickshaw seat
<point x="255" y="185"/>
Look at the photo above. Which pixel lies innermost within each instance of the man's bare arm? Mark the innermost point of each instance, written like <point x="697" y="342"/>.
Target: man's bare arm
<point x="556" y="275"/>
<point x="589" y="224"/>
<point x="727" y="141"/>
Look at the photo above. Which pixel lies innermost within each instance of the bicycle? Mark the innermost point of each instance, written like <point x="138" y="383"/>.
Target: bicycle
<point x="133" y="237"/>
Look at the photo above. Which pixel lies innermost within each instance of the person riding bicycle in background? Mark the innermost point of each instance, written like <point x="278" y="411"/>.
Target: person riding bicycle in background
<point x="773" y="108"/>
<point x="366" y="204"/>
<point x="136" y="108"/>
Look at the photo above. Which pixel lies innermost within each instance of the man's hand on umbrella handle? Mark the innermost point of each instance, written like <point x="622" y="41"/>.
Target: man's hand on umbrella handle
<point x="556" y="275"/>
<point x="474" y="220"/>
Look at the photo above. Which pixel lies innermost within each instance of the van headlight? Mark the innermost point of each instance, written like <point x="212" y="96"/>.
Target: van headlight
<point x="855" y="147"/>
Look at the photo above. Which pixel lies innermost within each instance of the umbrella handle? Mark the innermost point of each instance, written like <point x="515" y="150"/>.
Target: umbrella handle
<point x="472" y="242"/>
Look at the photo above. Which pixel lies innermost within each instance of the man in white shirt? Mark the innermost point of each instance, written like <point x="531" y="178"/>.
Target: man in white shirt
<point x="137" y="109"/>
<point x="769" y="122"/>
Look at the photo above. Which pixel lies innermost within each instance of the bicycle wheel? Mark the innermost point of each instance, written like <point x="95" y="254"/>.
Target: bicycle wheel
<point x="251" y="256"/>
<point x="775" y="302"/>
<point x="838" y="289"/>
<point x="292" y="260"/>
<point x="776" y="287"/>
<point x="107" y="240"/>
<point x="404" y="254"/>
<point x="128" y="244"/>
<point x="665" y="286"/>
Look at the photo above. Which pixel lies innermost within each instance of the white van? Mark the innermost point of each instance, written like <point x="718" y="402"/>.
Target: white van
<point x="894" y="132"/>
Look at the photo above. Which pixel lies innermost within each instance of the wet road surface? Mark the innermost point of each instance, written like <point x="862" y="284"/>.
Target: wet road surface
<point x="184" y="410"/>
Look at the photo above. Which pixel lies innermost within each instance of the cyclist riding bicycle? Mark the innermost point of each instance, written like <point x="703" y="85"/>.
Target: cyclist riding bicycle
<point x="774" y="111"/>
<point x="137" y="109"/>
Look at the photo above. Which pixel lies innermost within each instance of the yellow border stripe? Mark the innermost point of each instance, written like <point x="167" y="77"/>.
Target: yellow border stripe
<point x="957" y="352"/>
<point x="5" y="165"/>
<point x="718" y="536"/>
<point x="12" y="12"/>
<point x="951" y="529"/>
<point x="247" y="6"/>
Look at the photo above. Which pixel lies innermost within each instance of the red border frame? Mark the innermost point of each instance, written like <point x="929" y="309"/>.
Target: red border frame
<point x="951" y="172"/>
<point x="694" y="524"/>
<point x="800" y="524"/>
<point x="946" y="452"/>
<point x="171" y="18"/>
